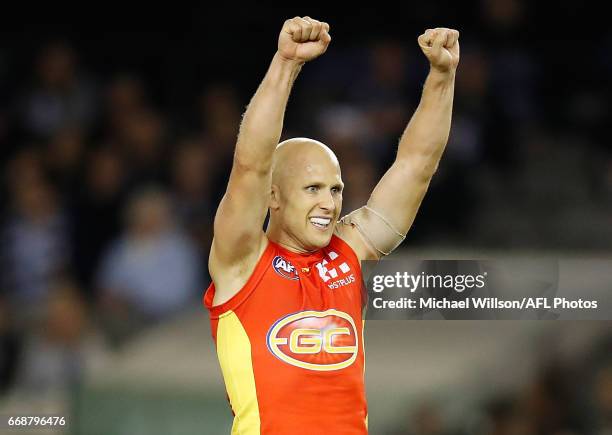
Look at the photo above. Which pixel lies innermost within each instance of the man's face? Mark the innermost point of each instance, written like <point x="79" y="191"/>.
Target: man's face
<point x="307" y="200"/>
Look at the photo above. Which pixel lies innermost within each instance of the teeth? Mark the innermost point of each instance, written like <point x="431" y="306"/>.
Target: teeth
<point x="320" y="222"/>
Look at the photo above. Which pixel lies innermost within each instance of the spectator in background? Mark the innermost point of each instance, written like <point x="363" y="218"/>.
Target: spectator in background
<point x="192" y="191"/>
<point x="426" y="419"/>
<point x="360" y="177"/>
<point x="63" y="158"/>
<point x="142" y="140"/>
<point x="220" y="111"/>
<point x="347" y="127"/>
<point x="513" y="72"/>
<point x="474" y="108"/>
<point x="52" y="356"/>
<point x="9" y="347"/>
<point x="504" y="416"/>
<point x="603" y="400"/>
<point x="384" y="98"/>
<point x="548" y="401"/>
<point x="150" y="272"/>
<point x="124" y="96"/>
<point x="133" y="127"/>
<point x="60" y="97"/>
<point x="96" y="215"/>
<point x="511" y="105"/>
<point x="35" y="246"/>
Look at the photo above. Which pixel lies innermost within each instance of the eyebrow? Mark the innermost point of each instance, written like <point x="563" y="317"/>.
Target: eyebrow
<point x="320" y="184"/>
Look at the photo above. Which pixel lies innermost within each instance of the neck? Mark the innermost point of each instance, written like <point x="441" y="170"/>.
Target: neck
<point x="280" y="237"/>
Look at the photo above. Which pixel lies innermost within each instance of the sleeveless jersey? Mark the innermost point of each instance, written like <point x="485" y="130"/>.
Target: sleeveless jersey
<point x="290" y="344"/>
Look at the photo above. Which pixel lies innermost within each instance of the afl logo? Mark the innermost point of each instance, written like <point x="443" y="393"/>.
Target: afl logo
<point x="315" y="340"/>
<point x="284" y="268"/>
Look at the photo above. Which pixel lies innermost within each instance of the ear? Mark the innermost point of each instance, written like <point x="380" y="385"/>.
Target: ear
<point x="274" y="197"/>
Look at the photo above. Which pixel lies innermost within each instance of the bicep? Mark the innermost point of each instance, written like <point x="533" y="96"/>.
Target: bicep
<point x="399" y="193"/>
<point x="240" y="216"/>
<point x="378" y="228"/>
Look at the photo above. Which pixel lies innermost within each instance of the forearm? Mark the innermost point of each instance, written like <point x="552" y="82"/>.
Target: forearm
<point x="427" y="132"/>
<point x="262" y="123"/>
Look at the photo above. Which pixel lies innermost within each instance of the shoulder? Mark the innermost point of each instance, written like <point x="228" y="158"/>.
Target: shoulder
<point x="341" y="246"/>
<point x="348" y="233"/>
<point x="231" y="279"/>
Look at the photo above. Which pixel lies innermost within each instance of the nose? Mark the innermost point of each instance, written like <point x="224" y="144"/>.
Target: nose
<point x="327" y="202"/>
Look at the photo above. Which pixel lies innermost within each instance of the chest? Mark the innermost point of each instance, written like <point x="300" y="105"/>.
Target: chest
<point x="295" y="284"/>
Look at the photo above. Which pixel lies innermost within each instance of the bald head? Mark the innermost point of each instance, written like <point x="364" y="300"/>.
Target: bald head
<point x="299" y="157"/>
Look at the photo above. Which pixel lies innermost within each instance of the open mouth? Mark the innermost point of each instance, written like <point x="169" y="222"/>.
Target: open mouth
<point x="320" y="222"/>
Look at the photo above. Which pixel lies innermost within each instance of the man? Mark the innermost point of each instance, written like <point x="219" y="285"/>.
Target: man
<point x="286" y="304"/>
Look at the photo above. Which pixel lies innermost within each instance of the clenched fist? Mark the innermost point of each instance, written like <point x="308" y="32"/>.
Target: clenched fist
<point x="441" y="46"/>
<point x="303" y="39"/>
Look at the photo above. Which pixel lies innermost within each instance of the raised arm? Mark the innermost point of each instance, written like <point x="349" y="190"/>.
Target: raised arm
<point x="395" y="200"/>
<point x="238" y="235"/>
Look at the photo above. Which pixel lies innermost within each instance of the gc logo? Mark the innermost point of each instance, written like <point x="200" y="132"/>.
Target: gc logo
<point x="315" y="340"/>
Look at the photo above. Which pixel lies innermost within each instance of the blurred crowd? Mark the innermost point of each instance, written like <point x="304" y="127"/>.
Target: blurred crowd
<point x="109" y="193"/>
<point x="567" y="396"/>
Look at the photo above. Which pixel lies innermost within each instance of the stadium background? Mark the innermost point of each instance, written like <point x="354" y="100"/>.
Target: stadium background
<point x="117" y="127"/>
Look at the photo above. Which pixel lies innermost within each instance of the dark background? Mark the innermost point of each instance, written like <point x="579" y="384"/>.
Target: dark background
<point x="117" y="127"/>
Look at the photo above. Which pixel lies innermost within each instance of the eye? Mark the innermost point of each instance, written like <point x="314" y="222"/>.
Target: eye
<point x="312" y="189"/>
<point x="336" y="190"/>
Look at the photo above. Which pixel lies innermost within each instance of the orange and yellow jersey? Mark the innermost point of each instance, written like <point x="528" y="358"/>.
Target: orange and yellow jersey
<point x="290" y="344"/>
